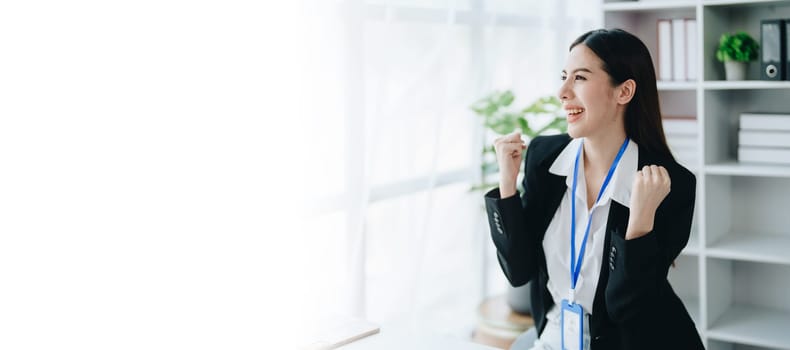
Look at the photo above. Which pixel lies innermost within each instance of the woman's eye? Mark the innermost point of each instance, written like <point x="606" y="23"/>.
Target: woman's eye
<point x="576" y="77"/>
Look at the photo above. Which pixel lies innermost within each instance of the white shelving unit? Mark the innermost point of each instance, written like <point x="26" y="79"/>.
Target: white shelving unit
<point x="734" y="274"/>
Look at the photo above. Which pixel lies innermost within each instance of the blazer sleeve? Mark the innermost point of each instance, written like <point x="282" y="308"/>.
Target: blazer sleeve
<point x="512" y="221"/>
<point x="639" y="266"/>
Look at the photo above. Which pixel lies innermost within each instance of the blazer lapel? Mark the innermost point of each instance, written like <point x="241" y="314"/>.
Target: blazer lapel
<point x="555" y="190"/>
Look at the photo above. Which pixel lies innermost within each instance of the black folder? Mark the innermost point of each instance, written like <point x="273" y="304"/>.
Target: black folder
<point x="773" y="49"/>
<point x="787" y="48"/>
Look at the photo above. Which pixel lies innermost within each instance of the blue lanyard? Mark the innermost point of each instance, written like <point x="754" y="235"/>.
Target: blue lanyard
<point x="576" y="265"/>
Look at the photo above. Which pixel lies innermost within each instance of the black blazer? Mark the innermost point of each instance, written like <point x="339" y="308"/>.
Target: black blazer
<point x="634" y="305"/>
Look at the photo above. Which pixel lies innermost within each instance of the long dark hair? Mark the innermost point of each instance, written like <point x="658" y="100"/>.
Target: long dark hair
<point x="626" y="57"/>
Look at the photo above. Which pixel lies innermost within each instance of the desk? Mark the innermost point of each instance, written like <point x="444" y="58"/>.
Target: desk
<point x="395" y="337"/>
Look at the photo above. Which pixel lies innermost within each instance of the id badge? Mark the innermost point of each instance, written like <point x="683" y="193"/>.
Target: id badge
<point x="571" y="318"/>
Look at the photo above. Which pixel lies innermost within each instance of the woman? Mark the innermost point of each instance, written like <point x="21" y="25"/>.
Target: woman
<point x="612" y="188"/>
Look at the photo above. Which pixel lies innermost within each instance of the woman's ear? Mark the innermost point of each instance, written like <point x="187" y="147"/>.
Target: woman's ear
<point x="625" y="91"/>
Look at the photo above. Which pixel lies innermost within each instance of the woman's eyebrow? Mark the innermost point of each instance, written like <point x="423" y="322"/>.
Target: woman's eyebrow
<point x="579" y="69"/>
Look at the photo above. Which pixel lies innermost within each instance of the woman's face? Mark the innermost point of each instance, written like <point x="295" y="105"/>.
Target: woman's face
<point x="587" y="95"/>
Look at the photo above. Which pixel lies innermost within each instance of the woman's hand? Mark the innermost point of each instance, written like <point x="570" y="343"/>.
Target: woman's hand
<point x="651" y="186"/>
<point x="508" y="154"/>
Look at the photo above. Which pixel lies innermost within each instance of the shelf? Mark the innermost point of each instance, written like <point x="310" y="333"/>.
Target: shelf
<point x="746" y="169"/>
<point x="762" y="248"/>
<point x="676" y="85"/>
<point x="744" y="84"/>
<point x="742" y="2"/>
<point x="739" y="256"/>
<point x="753" y="326"/>
<point x="648" y="6"/>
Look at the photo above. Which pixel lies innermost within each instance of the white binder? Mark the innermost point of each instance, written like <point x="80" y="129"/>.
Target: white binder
<point x="691" y="49"/>
<point x="664" y="50"/>
<point x="679" y="49"/>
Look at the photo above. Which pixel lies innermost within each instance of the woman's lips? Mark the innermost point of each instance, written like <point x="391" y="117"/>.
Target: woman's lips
<point x="572" y="118"/>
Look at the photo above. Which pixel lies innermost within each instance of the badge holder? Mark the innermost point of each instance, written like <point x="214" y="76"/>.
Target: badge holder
<point x="572" y="318"/>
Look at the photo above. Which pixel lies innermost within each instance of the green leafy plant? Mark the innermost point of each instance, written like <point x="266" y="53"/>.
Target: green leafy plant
<point x="737" y="47"/>
<point x="544" y="115"/>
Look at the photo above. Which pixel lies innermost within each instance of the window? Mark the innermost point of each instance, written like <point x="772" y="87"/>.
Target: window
<point x="399" y="233"/>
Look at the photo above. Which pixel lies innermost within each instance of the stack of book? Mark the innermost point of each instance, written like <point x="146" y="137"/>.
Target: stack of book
<point x="682" y="137"/>
<point x="764" y="138"/>
<point x="677" y="49"/>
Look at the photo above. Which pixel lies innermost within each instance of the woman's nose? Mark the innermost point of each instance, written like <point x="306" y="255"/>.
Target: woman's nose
<point x="564" y="93"/>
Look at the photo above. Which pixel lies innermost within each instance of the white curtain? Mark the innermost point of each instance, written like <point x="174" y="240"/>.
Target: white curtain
<point x="395" y="235"/>
<point x="160" y="159"/>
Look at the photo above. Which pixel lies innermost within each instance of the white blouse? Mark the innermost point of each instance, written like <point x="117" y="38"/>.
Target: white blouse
<point x="556" y="241"/>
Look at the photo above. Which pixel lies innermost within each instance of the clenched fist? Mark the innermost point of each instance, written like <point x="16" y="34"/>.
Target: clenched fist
<point x="650" y="187"/>
<point x="508" y="154"/>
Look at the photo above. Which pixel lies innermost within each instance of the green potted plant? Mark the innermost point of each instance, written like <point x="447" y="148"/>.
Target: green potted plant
<point x="736" y="51"/>
<point x="543" y="116"/>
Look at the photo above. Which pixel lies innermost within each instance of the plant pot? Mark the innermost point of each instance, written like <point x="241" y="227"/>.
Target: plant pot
<point x="518" y="299"/>
<point x="735" y="70"/>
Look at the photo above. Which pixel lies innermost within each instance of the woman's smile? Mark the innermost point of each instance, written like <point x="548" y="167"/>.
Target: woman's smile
<point x="574" y="114"/>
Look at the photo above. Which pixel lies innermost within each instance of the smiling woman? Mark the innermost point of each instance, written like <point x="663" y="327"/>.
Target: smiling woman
<point x="600" y="274"/>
